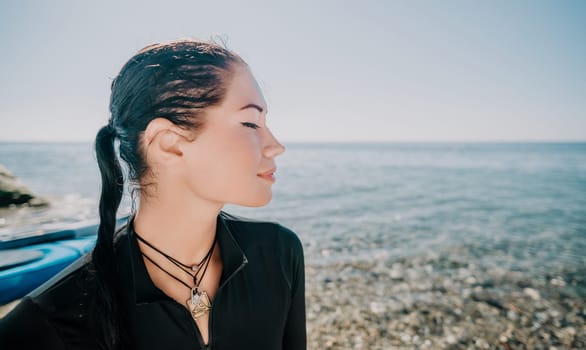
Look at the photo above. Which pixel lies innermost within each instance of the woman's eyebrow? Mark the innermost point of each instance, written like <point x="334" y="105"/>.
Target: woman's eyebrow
<point x="252" y="105"/>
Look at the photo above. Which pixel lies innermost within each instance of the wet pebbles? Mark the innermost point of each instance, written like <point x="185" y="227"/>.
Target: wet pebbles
<point x="444" y="301"/>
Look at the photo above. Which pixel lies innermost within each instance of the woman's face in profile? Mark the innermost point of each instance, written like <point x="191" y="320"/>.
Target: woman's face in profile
<point x="234" y="147"/>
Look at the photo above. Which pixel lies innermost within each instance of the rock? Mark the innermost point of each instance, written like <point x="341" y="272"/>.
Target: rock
<point x="565" y="335"/>
<point x="377" y="308"/>
<point x="450" y="339"/>
<point x="38" y="202"/>
<point x="558" y="281"/>
<point x="396" y="272"/>
<point x="532" y="293"/>
<point x="13" y="192"/>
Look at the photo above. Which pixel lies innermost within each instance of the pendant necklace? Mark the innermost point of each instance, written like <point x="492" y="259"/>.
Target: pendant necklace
<point x="198" y="302"/>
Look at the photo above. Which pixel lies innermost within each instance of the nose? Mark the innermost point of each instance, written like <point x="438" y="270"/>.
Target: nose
<point x="273" y="147"/>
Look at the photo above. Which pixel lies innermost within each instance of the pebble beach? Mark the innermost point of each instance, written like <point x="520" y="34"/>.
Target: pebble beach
<point x="443" y="301"/>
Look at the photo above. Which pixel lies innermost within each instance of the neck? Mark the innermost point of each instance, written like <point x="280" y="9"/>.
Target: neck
<point x="184" y="231"/>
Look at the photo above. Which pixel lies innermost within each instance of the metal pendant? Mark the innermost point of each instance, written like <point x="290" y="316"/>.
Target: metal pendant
<point x="199" y="303"/>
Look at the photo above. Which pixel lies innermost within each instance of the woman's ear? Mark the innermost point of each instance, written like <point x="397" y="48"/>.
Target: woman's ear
<point x="161" y="140"/>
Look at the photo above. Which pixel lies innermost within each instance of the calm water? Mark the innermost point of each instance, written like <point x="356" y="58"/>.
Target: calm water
<point x="368" y="201"/>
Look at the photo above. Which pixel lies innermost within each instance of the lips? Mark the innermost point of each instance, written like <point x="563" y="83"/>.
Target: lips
<point x="268" y="172"/>
<point x="268" y="175"/>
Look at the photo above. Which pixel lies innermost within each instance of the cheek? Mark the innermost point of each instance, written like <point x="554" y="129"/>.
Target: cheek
<point x="225" y="168"/>
<point x="238" y="151"/>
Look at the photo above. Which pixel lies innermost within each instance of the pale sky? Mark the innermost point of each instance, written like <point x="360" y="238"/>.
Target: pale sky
<point x="330" y="70"/>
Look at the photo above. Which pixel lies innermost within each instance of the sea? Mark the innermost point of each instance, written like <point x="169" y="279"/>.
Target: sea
<point x="522" y="205"/>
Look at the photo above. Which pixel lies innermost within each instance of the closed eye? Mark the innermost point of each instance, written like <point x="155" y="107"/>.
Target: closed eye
<point x="250" y="125"/>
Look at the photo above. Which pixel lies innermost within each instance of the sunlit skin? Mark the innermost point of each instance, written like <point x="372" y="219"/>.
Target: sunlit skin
<point x="195" y="177"/>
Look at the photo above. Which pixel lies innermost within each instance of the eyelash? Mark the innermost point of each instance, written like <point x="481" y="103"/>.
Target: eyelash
<point x="251" y="125"/>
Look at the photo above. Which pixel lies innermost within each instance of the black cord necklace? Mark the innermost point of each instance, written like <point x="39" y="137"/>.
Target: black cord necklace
<point x="199" y="302"/>
<point x="191" y="270"/>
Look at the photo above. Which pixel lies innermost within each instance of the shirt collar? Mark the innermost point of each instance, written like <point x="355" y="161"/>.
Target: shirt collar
<point x="142" y="289"/>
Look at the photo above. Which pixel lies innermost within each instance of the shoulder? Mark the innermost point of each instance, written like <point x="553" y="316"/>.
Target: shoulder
<point x="65" y="290"/>
<point x="267" y="234"/>
<point x="49" y="312"/>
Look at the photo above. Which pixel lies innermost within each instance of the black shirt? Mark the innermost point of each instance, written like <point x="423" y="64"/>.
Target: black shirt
<point x="260" y="302"/>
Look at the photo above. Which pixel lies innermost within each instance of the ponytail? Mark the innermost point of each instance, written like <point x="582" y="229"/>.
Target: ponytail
<point x="107" y="312"/>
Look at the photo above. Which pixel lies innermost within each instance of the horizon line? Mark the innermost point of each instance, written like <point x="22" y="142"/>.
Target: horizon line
<point x="350" y="141"/>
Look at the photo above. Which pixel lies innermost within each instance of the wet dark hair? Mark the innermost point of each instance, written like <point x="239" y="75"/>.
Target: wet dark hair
<point x="177" y="81"/>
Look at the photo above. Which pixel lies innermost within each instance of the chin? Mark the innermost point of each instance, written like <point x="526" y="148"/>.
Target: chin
<point x="258" y="201"/>
<point x="259" y="204"/>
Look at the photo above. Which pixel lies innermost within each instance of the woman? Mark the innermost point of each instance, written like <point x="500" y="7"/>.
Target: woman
<point x="190" y="120"/>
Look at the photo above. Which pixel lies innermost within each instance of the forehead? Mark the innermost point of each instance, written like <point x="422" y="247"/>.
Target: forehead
<point x="243" y="89"/>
